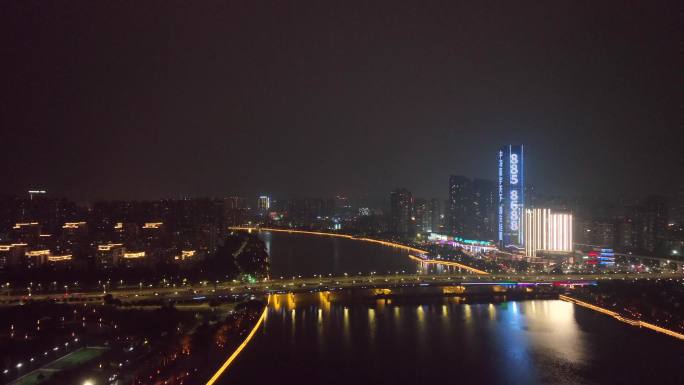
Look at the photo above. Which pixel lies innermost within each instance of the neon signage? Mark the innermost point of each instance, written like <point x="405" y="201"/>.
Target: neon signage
<point x="511" y="180"/>
<point x="501" y="194"/>
<point x="514" y="198"/>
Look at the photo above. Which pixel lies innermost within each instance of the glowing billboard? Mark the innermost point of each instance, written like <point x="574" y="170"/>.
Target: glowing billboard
<point x="511" y="191"/>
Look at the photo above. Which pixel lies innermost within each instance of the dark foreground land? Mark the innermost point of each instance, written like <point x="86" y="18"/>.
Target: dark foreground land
<point x="58" y="343"/>
<point x="660" y="302"/>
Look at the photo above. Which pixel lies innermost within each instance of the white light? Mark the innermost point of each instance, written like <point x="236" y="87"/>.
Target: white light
<point x="547" y="231"/>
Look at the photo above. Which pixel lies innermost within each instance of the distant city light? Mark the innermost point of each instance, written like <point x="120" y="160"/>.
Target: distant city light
<point x="34" y="192"/>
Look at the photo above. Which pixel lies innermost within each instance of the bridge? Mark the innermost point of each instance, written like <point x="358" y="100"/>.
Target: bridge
<point x="207" y="291"/>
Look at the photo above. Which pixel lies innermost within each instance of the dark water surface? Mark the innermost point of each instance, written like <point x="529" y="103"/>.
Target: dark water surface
<point x="308" y="255"/>
<point x="332" y="339"/>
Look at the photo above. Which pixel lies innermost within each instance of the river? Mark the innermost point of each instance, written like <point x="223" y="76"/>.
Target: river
<point x="339" y="339"/>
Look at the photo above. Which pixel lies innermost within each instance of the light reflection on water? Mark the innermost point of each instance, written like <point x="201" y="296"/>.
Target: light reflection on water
<point x="516" y="328"/>
<point x="402" y="341"/>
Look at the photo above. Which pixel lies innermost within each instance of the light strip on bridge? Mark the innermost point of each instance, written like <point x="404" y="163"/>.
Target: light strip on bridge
<point x="384" y="243"/>
<point x="239" y="349"/>
<point x="448" y="263"/>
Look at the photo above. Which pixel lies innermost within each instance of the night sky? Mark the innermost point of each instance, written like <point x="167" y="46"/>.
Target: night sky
<point x="147" y="99"/>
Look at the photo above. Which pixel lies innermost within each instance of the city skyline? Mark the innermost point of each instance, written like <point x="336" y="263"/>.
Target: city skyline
<point x="507" y="174"/>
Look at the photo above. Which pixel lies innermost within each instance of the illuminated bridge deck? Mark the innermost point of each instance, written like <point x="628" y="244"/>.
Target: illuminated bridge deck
<point x="301" y="285"/>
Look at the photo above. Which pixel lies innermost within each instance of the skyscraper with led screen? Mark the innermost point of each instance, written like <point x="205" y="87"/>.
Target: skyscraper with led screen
<point x="511" y="192"/>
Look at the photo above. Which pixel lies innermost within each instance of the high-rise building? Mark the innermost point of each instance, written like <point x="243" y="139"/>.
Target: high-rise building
<point x="643" y="228"/>
<point x="652" y="223"/>
<point x="436" y="215"/>
<point x="263" y="203"/>
<point x="472" y="207"/>
<point x="421" y="212"/>
<point x="484" y="209"/>
<point x="11" y="255"/>
<point x="547" y="231"/>
<point x="342" y="206"/>
<point x="676" y="209"/>
<point x="597" y="232"/>
<point x="31" y="193"/>
<point x="626" y="230"/>
<point x="234" y="202"/>
<point x="108" y="255"/>
<point x="602" y="234"/>
<point x="401" y="211"/>
<point x="511" y="191"/>
<point x="460" y="205"/>
<point x="307" y="212"/>
<point x="235" y="211"/>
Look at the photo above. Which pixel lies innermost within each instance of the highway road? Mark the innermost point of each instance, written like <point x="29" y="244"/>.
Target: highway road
<point x="327" y="283"/>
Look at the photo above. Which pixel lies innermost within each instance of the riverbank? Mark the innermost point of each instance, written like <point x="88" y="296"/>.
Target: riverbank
<point x="623" y="318"/>
<point x="226" y="364"/>
<point x="383" y="242"/>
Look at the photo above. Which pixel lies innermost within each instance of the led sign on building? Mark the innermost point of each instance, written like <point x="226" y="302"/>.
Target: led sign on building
<point x="511" y="195"/>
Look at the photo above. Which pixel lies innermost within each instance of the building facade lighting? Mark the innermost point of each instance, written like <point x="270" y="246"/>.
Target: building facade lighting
<point x="547" y="231"/>
<point x="139" y="254"/>
<point x="511" y="195"/>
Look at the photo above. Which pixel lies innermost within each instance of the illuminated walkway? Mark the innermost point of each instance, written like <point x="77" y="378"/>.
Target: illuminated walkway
<point x="617" y="316"/>
<point x="239" y="349"/>
<point x="449" y="263"/>
<point x="364" y="239"/>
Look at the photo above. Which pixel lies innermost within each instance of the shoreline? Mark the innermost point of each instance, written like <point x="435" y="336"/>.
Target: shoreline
<point x="621" y="318"/>
<point x="226" y="364"/>
<point x="336" y="235"/>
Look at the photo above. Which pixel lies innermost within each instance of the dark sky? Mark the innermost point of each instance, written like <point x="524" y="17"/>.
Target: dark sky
<point x="148" y="99"/>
